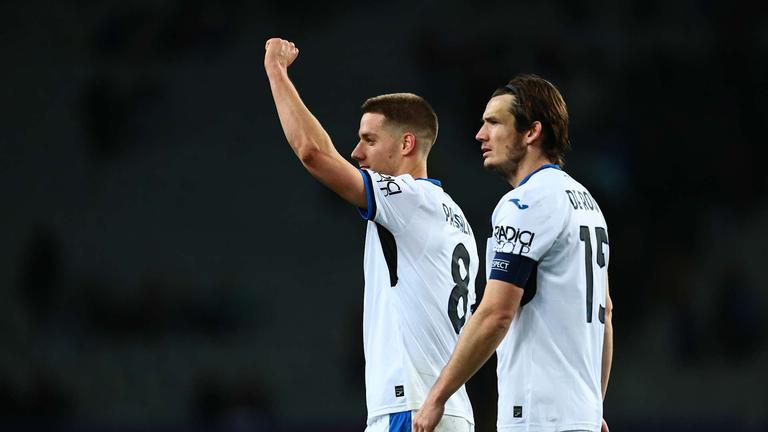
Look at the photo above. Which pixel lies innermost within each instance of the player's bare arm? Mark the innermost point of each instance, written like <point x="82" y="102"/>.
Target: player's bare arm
<point x="607" y="346"/>
<point x="304" y="132"/>
<point x="608" y="339"/>
<point x="477" y="342"/>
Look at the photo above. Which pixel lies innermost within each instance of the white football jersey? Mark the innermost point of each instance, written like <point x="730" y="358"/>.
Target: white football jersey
<point x="420" y="266"/>
<point x="550" y="238"/>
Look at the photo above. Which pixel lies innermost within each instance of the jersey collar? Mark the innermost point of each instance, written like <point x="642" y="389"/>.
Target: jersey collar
<point x="545" y="166"/>
<point x="435" y="182"/>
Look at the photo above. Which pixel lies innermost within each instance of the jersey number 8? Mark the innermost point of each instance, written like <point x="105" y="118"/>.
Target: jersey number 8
<point x="461" y="290"/>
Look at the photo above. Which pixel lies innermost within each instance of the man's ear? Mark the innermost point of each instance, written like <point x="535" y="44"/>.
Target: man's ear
<point x="408" y="143"/>
<point x="534" y="133"/>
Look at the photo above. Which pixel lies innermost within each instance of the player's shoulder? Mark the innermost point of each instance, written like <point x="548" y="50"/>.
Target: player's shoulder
<point x="542" y="181"/>
<point x="381" y="177"/>
<point x="579" y="197"/>
<point x="572" y="183"/>
<point x="540" y="192"/>
<point x="393" y="185"/>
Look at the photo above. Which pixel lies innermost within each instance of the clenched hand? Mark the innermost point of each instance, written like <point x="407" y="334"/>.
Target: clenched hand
<point x="280" y="53"/>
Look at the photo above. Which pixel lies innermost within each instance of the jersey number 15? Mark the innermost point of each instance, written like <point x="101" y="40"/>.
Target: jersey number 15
<point x="602" y="239"/>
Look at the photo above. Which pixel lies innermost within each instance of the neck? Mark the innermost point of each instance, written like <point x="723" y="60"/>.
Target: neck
<point x="417" y="170"/>
<point x="525" y="168"/>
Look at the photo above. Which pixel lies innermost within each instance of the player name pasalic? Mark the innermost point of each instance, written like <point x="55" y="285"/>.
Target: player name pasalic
<point x="456" y="220"/>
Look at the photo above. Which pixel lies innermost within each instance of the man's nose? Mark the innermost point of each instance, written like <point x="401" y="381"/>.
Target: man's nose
<point x="357" y="154"/>
<point x="481" y="135"/>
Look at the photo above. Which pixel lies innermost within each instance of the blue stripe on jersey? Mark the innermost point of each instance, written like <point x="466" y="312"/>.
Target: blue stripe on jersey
<point x="431" y="180"/>
<point x="556" y="166"/>
<point x="400" y="422"/>
<point x="370" y="212"/>
<point x="512" y="268"/>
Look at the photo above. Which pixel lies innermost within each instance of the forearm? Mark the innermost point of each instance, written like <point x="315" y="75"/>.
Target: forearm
<point x="303" y="131"/>
<point x="477" y="342"/>
<point x="607" y="354"/>
<point x="306" y="136"/>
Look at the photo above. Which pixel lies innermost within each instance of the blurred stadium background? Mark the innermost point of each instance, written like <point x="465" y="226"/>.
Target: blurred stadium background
<point x="166" y="264"/>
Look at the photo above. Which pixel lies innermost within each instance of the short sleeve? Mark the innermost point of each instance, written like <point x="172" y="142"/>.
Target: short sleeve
<point x="525" y="227"/>
<point x="392" y="200"/>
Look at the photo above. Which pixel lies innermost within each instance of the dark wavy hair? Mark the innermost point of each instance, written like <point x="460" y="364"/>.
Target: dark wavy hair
<point x="537" y="99"/>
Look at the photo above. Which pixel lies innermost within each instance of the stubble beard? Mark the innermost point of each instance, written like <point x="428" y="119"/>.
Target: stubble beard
<point x="508" y="167"/>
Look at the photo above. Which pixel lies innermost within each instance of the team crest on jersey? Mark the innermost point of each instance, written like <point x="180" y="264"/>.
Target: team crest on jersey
<point x="512" y="240"/>
<point x="388" y="185"/>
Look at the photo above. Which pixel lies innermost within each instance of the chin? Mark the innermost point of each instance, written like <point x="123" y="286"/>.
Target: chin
<point x="504" y="170"/>
<point x="489" y="165"/>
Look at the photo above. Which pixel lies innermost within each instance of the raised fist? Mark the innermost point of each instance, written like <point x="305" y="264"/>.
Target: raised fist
<point x="279" y="52"/>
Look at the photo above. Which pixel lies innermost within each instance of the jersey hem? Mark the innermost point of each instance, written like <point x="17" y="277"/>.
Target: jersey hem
<point x="392" y="409"/>
<point x="528" y="427"/>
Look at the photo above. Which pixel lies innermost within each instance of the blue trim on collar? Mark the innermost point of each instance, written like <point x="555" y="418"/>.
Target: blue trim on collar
<point x="555" y="166"/>
<point x="431" y="180"/>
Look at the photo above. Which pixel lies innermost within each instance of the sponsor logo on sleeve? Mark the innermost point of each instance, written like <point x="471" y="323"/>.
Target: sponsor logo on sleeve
<point x="388" y="185"/>
<point x="512" y="240"/>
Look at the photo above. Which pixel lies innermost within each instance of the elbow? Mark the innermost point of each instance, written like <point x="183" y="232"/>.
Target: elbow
<point x="503" y="321"/>
<point x="308" y="154"/>
<point x="608" y="313"/>
<point x="495" y="318"/>
<point x="499" y="321"/>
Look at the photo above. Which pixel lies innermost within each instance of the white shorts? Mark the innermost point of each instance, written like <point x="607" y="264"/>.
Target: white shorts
<point x="403" y="422"/>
